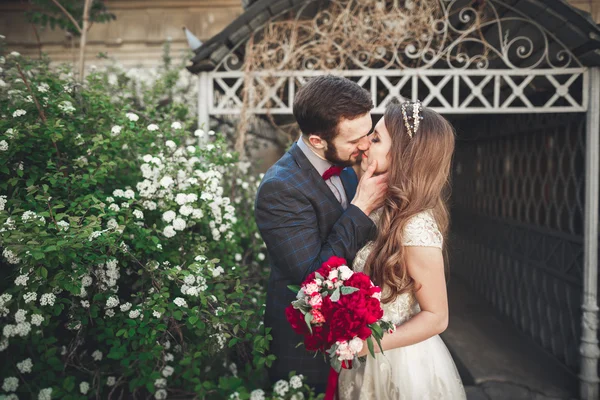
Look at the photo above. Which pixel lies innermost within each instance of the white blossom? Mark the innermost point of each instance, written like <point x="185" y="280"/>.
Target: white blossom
<point x="112" y="302"/>
<point x="10" y="384"/>
<point x="66" y="107"/>
<point x="20" y="315"/>
<point x="189" y="280"/>
<point x="179" y="224"/>
<point x="296" y="381"/>
<point x="170" y="144"/>
<point x="180" y="302"/>
<point x="21" y="280"/>
<point x="37" y="319"/>
<point x="97" y="355"/>
<point x="169" y="231"/>
<point x="199" y="133"/>
<point x="152" y="127"/>
<point x="19" y="113"/>
<point x="281" y="387"/>
<point x="217" y="272"/>
<point x="160" y="394"/>
<point x="112" y="223"/>
<point x="260" y="256"/>
<point x="45" y="394"/>
<point x="110" y="381"/>
<point x="3" y="145"/>
<point x="29" y="297"/>
<point x="125" y="307"/>
<point x="116" y="130"/>
<point x="156" y="314"/>
<point x="133" y="314"/>
<point x="25" y="366"/>
<point x="85" y="304"/>
<point x="63" y="225"/>
<point x="84" y="387"/>
<point x="86" y="281"/>
<point x="132" y="117"/>
<point x="257" y="394"/>
<point x="176" y="125"/>
<point x="43" y="87"/>
<point x="160" y="383"/>
<point x="167" y="371"/>
<point x="138" y="214"/>
<point x="166" y="181"/>
<point x="114" y="207"/>
<point x="169" y="216"/>
<point x="211" y="133"/>
<point x="47" y="299"/>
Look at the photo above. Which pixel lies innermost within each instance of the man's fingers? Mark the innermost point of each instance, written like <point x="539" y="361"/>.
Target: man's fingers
<point x="371" y="170"/>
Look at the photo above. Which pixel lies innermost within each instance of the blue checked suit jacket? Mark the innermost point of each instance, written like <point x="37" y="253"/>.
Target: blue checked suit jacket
<point x="302" y="224"/>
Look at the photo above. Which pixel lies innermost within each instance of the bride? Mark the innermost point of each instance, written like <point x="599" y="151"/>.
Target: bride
<point x="414" y="145"/>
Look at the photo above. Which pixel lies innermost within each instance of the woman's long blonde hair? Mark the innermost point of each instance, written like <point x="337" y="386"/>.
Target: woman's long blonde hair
<point x="419" y="170"/>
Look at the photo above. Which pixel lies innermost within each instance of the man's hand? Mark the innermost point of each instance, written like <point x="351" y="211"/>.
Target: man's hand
<point x="371" y="190"/>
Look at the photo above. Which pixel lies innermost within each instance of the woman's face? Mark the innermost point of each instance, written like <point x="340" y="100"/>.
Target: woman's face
<point x="381" y="142"/>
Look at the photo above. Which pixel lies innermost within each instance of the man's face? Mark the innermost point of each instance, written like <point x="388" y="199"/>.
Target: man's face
<point x="347" y="147"/>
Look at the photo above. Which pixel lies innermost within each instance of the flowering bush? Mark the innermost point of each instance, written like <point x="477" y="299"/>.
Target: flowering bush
<point x="131" y="263"/>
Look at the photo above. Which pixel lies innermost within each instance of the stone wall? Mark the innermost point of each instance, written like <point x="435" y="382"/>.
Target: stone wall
<point x="135" y="38"/>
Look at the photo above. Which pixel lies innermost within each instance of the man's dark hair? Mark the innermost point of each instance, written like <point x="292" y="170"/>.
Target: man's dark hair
<point x="327" y="99"/>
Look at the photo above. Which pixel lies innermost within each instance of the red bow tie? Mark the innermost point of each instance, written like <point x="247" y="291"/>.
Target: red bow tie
<point x="332" y="171"/>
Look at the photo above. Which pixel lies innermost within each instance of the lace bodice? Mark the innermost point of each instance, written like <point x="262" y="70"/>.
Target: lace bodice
<point x="421" y="230"/>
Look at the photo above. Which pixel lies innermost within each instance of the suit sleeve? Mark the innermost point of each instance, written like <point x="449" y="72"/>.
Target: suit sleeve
<point x="288" y="224"/>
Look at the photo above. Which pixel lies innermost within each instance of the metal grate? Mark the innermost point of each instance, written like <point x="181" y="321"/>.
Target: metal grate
<point x="518" y="222"/>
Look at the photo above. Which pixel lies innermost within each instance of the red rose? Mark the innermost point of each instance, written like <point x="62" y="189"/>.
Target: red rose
<point x="355" y="302"/>
<point x="360" y="281"/>
<point x="374" y="311"/>
<point x="330" y="264"/>
<point x="343" y="326"/>
<point x="364" y="332"/>
<point x="296" y="320"/>
<point x="335" y="262"/>
<point x="317" y="340"/>
<point x="328" y="307"/>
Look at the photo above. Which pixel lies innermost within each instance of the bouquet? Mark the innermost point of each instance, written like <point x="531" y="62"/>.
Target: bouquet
<point x="335" y="310"/>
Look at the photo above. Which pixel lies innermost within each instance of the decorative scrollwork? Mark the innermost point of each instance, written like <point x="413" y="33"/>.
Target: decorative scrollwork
<point x="405" y="34"/>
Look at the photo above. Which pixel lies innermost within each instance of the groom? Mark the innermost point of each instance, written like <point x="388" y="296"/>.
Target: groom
<point x="310" y="206"/>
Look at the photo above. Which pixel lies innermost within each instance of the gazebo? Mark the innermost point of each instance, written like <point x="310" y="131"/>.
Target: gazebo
<point x="520" y="80"/>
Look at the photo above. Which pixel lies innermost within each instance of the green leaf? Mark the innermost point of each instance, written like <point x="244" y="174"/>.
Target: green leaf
<point x="308" y="319"/>
<point x="294" y="288"/>
<point x="349" y="289"/>
<point x="379" y="343"/>
<point x="193" y="319"/>
<point x="336" y="295"/>
<point x="371" y="347"/>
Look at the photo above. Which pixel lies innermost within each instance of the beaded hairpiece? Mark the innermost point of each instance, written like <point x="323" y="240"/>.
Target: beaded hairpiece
<point x="412" y="121"/>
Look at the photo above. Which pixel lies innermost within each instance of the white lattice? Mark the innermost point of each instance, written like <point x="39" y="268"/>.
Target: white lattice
<point x="447" y="91"/>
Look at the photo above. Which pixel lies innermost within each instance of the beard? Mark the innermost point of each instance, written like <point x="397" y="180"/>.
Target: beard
<point x="331" y="155"/>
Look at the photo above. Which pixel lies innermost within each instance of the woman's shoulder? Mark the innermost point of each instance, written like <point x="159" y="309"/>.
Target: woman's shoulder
<point x="422" y="230"/>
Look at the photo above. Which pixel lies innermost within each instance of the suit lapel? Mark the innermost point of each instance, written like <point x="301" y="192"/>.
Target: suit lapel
<point x="320" y="184"/>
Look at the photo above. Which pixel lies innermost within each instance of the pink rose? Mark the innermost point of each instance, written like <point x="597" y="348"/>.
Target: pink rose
<point x="315" y="301"/>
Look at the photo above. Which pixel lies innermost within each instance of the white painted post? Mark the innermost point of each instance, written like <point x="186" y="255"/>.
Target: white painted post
<point x="204" y="99"/>
<point x="588" y="377"/>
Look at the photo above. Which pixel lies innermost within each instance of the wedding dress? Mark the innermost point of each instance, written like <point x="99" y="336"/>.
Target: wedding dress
<point x="423" y="371"/>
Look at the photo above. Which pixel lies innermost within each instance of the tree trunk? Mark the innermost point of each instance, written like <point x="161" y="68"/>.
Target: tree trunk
<point x="84" y="29"/>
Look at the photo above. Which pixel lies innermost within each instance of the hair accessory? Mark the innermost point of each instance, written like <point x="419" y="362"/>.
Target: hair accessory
<point x="412" y="121"/>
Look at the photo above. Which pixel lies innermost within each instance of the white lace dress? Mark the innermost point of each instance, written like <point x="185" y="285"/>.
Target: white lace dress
<point x="423" y="371"/>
